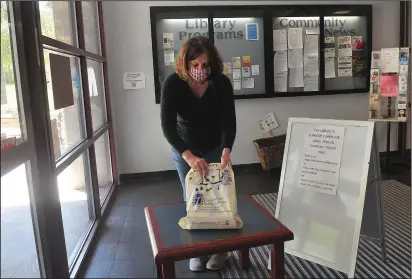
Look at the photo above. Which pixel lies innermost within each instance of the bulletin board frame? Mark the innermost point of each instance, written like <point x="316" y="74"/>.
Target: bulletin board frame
<point x="268" y="11"/>
<point x="349" y="266"/>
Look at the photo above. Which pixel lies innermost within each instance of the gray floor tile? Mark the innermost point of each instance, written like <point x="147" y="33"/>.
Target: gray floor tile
<point x="119" y="211"/>
<point x="98" y="269"/>
<point x="133" y="251"/>
<point x="132" y="269"/>
<point x="104" y="252"/>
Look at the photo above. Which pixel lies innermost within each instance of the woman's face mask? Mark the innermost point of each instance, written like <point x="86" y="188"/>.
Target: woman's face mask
<point x="199" y="68"/>
<point x="199" y="75"/>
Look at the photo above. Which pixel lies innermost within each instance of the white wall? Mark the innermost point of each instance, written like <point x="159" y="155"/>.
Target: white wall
<point x="140" y="144"/>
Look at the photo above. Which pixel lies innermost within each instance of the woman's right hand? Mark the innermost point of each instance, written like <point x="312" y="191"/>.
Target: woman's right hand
<point x="196" y="163"/>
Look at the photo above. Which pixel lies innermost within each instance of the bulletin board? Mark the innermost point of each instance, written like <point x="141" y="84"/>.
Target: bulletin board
<point x="322" y="189"/>
<point x="246" y="38"/>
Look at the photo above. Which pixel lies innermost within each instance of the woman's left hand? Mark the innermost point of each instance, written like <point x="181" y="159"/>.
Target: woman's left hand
<point x="225" y="159"/>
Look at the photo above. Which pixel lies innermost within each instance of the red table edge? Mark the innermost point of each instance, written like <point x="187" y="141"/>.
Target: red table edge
<point x="151" y="220"/>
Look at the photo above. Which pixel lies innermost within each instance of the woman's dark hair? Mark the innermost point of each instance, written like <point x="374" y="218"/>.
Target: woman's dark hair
<point x="192" y="49"/>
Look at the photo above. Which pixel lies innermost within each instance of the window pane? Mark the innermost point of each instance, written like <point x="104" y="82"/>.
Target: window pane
<point x="72" y="184"/>
<point x="67" y="123"/>
<point x="91" y="26"/>
<point x="296" y="54"/>
<point x="11" y="122"/>
<point x="239" y="40"/>
<point x="345" y="52"/>
<point x="57" y="20"/>
<point x="96" y="91"/>
<point x="18" y="247"/>
<point x="104" y="165"/>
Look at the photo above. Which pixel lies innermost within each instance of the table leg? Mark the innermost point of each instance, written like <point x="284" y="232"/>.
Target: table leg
<point x="159" y="271"/>
<point x="277" y="261"/>
<point x="169" y="270"/>
<point x="244" y="258"/>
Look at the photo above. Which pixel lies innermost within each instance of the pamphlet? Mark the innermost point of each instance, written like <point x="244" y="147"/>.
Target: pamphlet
<point x="389" y="85"/>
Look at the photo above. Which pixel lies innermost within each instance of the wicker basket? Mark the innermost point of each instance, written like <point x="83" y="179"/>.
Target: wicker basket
<point x="270" y="151"/>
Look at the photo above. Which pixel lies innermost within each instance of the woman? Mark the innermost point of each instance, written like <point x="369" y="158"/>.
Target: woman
<point x="198" y="117"/>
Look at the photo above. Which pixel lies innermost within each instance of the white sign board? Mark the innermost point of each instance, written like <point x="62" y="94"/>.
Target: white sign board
<point x="325" y="215"/>
<point x="268" y="123"/>
<point x="134" y="81"/>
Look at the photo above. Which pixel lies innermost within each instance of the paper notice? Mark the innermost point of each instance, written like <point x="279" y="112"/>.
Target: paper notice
<point x="389" y="85"/>
<point x="295" y="58"/>
<point x="255" y="70"/>
<point x="168" y="40"/>
<point x="237" y="74"/>
<point x="321" y="159"/>
<point x="311" y="83"/>
<point x="227" y="67"/>
<point x="248" y="83"/>
<point x="345" y="66"/>
<point x="330" y="68"/>
<point x="403" y="70"/>
<point x="295" y="38"/>
<point x="312" y="45"/>
<point x="404" y="56"/>
<point x="236" y="63"/>
<point x="329" y="47"/>
<point x="296" y="77"/>
<point x="375" y="75"/>
<point x="134" y="81"/>
<point x="311" y="66"/>
<point x="344" y="40"/>
<point x="237" y="84"/>
<point x="268" y="123"/>
<point x="245" y="72"/>
<point x="376" y="57"/>
<point x="280" y="40"/>
<point x="169" y="57"/>
<point x="345" y="50"/>
<point x="280" y="62"/>
<point x="403" y="81"/>
<point x="281" y="82"/>
<point x="312" y="31"/>
<point x="389" y="62"/>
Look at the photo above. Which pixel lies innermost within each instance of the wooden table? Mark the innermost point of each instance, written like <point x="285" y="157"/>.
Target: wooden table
<point x="170" y="243"/>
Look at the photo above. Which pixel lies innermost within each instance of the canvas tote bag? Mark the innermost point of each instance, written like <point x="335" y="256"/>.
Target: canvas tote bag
<point x="211" y="201"/>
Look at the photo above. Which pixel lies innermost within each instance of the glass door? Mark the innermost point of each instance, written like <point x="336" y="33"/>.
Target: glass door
<point x="19" y="254"/>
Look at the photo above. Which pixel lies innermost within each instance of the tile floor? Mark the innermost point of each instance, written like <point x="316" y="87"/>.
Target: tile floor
<point x="123" y="248"/>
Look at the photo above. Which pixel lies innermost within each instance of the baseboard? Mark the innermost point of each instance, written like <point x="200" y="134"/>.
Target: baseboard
<point x="126" y="177"/>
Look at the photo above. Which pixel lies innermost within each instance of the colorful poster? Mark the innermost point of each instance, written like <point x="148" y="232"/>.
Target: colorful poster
<point x="389" y="85"/>
<point x="252" y="31"/>
<point x="236" y="63"/>
<point x="358" y="46"/>
<point x="389" y="62"/>
<point x="375" y="76"/>
<point x="246" y="61"/>
<point x="227" y="67"/>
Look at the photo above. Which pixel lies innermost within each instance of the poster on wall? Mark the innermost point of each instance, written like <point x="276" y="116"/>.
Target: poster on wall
<point x="168" y="40"/>
<point x="252" y="31"/>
